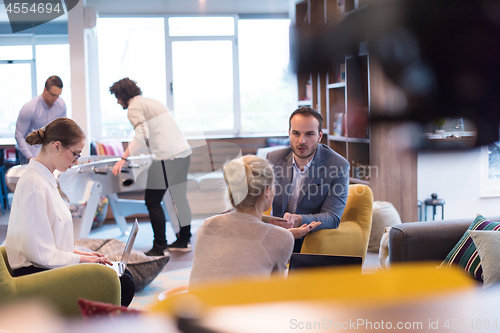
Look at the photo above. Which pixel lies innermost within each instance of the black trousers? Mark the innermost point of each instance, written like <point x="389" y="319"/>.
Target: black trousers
<point x="161" y="176"/>
<point x="297" y="246"/>
<point x="127" y="283"/>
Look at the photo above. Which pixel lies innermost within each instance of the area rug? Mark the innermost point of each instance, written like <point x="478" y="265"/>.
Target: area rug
<point x="164" y="281"/>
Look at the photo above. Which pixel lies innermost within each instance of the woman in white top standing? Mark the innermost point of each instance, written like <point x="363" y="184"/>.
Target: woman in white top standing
<point x="239" y="244"/>
<point x="40" y="230"/>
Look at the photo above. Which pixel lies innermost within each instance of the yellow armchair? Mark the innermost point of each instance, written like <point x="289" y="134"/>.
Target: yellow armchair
<point x="61" y="287"/>
<point x="352" y="236"/>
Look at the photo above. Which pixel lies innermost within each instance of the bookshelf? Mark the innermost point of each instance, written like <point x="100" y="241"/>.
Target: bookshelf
<point x="343" y="94"/>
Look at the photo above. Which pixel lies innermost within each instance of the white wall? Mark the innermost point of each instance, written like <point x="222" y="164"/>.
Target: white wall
<point x="79" y="71"/>
<point x="455" y="177"/>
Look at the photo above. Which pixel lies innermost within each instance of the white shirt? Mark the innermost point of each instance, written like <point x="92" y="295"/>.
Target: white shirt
<point x="152" y="120"/>
<point x="40" y="230"/>
<point x="298" y="178"/>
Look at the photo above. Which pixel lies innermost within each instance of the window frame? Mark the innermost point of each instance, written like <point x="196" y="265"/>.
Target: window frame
<point x="33" y="40"/>
<point x="236" y="75"/>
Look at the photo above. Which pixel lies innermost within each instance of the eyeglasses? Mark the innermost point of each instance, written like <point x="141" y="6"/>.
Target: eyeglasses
<point x="53" y="95"/>
<point x="75" y="155"/>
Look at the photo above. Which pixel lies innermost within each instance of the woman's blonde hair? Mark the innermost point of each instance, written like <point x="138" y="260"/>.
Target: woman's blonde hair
<point x="61" y="129"/>
<point x="247" y="178"/>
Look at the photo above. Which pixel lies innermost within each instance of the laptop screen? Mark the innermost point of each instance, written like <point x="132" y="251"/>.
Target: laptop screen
<point x="303" y="260"/>
<point x="130" y="242"/>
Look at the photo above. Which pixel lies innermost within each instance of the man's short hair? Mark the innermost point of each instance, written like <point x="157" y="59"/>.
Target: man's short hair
<point x="125" y="89"/>
<point x="54" y="80"/>
<point x="307" y="111"/>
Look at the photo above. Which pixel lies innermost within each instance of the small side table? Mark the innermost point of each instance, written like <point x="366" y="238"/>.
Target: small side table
<point x="434" y="202"/>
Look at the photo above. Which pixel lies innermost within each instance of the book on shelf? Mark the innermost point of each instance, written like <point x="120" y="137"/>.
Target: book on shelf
<point x="338" y="124"/>
<point x="342" y="72"/>
<point x="340" y="8"/>
<point x="358" y="123"/>
<point x="308" y="90"/>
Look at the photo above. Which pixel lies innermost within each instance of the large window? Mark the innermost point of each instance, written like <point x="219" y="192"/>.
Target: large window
<point x="15" y="90"/>
<point x="134" y="48"/>
<point x="266" y="83"/>
<point x="221" y="75"/>
<point x="54" y="60"/>
<point x="204" y="72"/>
<point x="24" y="68"/>
<point x="203" y="88"/>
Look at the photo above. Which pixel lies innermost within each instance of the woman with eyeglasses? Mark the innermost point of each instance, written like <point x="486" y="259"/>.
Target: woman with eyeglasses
<point x="40" y="231"/>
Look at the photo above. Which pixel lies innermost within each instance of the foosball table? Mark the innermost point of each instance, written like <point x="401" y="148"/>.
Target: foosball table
<point x="84" y="184"/>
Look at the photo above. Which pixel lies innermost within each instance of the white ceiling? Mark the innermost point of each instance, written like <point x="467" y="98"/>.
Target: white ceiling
<point x="134" y="7"/>
<point x="155" y="7"/>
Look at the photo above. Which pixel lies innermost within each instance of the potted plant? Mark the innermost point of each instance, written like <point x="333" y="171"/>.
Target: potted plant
<point x="439" y="122"/>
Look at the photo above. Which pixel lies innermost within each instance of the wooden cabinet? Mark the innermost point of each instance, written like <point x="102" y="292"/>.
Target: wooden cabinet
<point x="343" y="94"/>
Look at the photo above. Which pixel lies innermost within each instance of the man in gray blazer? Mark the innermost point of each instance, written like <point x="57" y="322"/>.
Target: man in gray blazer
<point x="311" y="180"/>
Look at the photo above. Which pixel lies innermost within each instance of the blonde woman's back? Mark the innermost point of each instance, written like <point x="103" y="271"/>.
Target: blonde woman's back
<point x="237" y="245"/>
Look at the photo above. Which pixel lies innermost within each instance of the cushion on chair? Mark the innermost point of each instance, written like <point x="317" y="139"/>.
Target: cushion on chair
<point x="488" y="245"/>
<point x="213" y="181"/>
<point x="384" y="215"/>
<point x="383" y="254"/>
<point x="144" y="269"/>
<point x="99" y="309"/>
<point x="192" y="183"/>
<point x="352" y="235"/>
<point x="464" y="254"/>
<point x="262" y="152"/>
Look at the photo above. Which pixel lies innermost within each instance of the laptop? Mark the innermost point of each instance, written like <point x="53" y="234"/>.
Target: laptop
<point x="119" y="266"/>
<point x="300" y="261"/>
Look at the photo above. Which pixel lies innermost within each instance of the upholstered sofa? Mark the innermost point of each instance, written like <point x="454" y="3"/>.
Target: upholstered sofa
<point x="427" y="241"/>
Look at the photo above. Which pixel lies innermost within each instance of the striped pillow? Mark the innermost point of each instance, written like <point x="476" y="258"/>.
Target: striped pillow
<point x="464" y="254"/>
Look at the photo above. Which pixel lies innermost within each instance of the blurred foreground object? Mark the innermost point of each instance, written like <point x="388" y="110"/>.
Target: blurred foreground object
<point x="441" y="58"/>
<point x="411" y="293"/>
<point x="60" y="288"/>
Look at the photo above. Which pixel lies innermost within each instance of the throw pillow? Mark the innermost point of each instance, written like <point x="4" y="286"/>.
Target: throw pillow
<point x="99" y="309"/>
<point x="464" y="253"/>
<point x="90" y="243"/>
<point x="144" y="269"/>
<point x="488" y="245"/>
<point x="383" y="255"/>
<point x="384" y="215"/>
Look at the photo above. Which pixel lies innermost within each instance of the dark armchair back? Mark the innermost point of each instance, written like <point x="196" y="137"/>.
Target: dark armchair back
<point x="426" y="241"/>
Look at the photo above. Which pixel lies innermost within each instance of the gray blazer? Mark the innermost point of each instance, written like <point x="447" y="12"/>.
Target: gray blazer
<point x="324" y="192"/>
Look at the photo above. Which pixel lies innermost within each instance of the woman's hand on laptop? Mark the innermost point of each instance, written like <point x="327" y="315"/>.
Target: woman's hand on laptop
<point x="303" y="229"/>
<point x="89" y="257"/>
